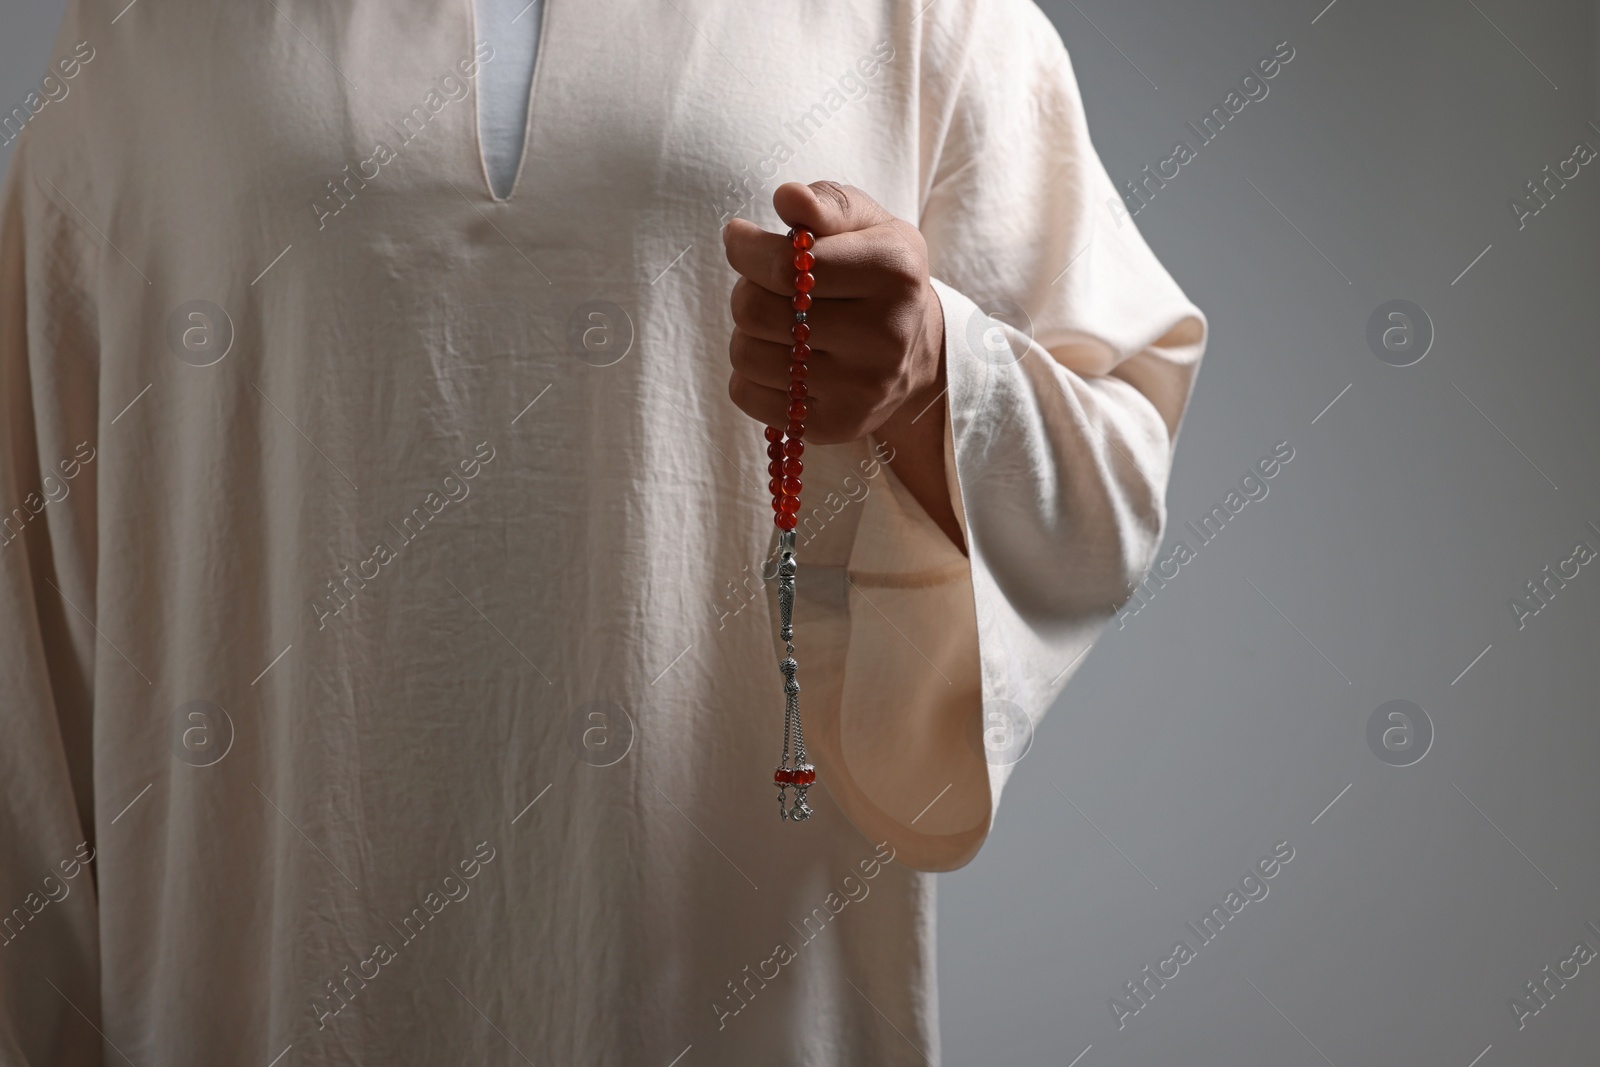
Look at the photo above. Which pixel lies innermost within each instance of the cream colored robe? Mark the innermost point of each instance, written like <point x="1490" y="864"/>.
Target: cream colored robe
<point x="319" y="502"/>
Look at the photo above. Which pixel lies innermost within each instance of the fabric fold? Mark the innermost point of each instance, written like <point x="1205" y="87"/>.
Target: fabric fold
<point x="1070" y="354"/>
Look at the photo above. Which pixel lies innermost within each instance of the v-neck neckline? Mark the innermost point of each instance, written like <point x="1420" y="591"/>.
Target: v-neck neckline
<point x="477" y="101"/>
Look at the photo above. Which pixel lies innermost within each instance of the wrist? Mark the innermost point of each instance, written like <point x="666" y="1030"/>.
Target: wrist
<point x="924" y="405"/>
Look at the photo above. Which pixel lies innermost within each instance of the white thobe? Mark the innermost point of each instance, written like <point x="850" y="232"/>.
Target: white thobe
<point x="386" y="674"/>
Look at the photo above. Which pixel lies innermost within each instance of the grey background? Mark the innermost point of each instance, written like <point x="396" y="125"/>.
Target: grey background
<point x="1231" y="711"/>
<point x="1208" y="728"/>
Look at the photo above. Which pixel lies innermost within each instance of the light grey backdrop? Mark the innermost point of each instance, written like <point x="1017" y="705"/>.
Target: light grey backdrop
<point x="1231" y="712"/>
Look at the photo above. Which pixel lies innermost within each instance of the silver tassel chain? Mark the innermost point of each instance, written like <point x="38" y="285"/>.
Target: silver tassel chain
<point x="794" y="760"/>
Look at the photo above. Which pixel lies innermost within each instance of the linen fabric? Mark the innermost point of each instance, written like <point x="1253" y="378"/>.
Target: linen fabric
<point x="386" y="668"/>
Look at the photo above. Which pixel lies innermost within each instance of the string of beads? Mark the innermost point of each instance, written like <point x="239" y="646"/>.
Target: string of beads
<point x="786" y="446"/>
<point x="784" y="449"/>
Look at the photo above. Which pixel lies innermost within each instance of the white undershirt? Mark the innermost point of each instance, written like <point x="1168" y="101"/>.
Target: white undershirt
<point x="512" y="27"/>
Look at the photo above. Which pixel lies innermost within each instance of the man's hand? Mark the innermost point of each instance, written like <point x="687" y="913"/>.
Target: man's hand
<point x="877" y="332"/>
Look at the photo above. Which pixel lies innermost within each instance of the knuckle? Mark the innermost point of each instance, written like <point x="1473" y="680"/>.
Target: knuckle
<point x="903" y="268"/>
<point x="839" y="194"/>
<point x="739" y="390"/>
<point x="890" y="334"/>
<point x="912" y="237"/>
<point x="739" y="351"/>
<point x="739" y="302"/>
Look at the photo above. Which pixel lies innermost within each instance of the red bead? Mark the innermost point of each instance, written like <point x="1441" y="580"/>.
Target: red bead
<point x="797" y="410"/>
<point x="805" y="281"/>
<point x="797" y="430"/>
<point x="794" y="447"/>
<point x="790" y="505"/>
<point x="801" y="301"/>
<point x="775" y="486"/>
<point x="800" y="352"/>
<point x="783" y="776"/>
<point x="775" y="450"/>
<point x="798" y="372"/>
<point x="800" y="332"/>
<point x="803" y="775"/>
<point x="791" y="486"/>
<point x="792" y="467"/>
<point x="804" y="260"/>
<point x="777" y="501"/>
<point x="802" y="237"/>
<point x="785" y="520"/>
<point x="774" y="434"/>
<point x="797" y="390"/>
<point x="775" y="468"/>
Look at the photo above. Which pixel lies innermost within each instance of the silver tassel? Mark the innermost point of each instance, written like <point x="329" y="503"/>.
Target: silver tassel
<point x="793" y="733"/>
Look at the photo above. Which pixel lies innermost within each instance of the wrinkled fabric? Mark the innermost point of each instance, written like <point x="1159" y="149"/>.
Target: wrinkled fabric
<point x="387" y="671"/>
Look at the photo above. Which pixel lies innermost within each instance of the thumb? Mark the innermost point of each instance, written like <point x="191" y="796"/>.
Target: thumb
<point x="827" y="208"/>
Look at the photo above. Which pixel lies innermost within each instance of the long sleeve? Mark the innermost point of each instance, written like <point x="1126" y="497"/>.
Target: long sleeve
<point x="49" y="969"/>
<point x="411" y="640"/>
<point x="1070" y="356"/>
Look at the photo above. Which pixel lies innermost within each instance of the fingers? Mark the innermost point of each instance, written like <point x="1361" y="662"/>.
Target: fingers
<point x="836" y="325"/>
<point x="761" y="313"/>
<point x="828" y="208"/>
<point x="762" y="362"/>
<point x="767" y="259"/>
<point x="866" y="320"/>
<point x="770" y="407"/>
<point x="848" y="266"/>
